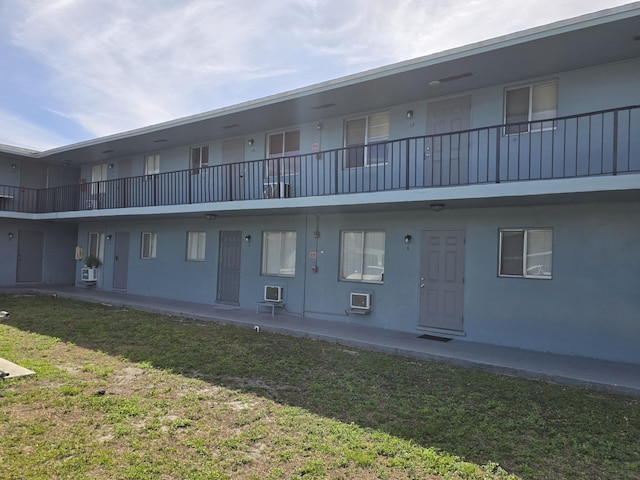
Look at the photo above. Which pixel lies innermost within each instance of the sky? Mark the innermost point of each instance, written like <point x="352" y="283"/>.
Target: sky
<point x="74" y="70"/>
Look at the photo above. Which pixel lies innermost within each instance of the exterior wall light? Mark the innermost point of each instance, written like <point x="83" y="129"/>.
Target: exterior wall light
<point x="250" y="142"/>
<point x="10" y="235"/>
<point x="409" y="114"/>
<point x="109" y="237"/>
<point x="247" y="238"/>
<point x="14" y="166"/>
<point x="111" y="166"/>
<point x="407" y="238"/>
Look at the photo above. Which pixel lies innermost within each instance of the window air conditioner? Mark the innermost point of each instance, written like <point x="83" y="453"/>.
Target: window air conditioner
<point x="360" y="301"/>
<point x="276" y="190"/>
<point x="273" y="293"/>
<point x="89" y="274"/>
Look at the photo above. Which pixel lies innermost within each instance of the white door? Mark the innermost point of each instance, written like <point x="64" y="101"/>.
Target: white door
<point x="442" y="279"/>
<point x="447" y="145"/>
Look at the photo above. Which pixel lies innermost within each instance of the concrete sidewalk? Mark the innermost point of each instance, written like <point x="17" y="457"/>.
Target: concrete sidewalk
<point x="609" y="376"/>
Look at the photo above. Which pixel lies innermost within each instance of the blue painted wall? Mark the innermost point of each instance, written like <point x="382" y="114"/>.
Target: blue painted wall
<point x="58" y="252"/>
<point x="591" y="306"/>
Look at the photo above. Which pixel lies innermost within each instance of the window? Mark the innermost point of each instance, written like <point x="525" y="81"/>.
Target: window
<point x="148" y="245"/>
<point x="151" y="164"/>
<point x="195" y="246"/>
<point x="360" y="138"/>
<point x="526" y="253"/>
<point x="529" y="104"/>
<point x="279" y="253"/>
<point x="95" y="244"/>
<point x="98" y="177"/>
<point x="283" y="144"/>
<point x="199" y="158"/>
<point x="362" y="256"/>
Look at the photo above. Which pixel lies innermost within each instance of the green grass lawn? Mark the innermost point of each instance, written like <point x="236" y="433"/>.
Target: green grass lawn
<point x="132" y="395"/>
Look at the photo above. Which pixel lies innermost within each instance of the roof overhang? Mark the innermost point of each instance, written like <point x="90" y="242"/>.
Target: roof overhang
<point x="603" y="37"/>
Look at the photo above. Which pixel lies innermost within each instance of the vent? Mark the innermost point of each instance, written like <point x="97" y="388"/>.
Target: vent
<point x="89" y="274"/>
<point x="273" y="293"/>
<point x="360" y="301"/>
<point x="276" y="190"/>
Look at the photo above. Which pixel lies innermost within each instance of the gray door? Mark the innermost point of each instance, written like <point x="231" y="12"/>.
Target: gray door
<point x="229" y="267"/>
<point x="232" y="157"/>
<point x="30" y="256"/>
<point x="121" y="260"/>
<point x="447" y="154"/>
<point x="124" y="179"/>
<point x="33" y="177"/>
<point x="442" y="279"/>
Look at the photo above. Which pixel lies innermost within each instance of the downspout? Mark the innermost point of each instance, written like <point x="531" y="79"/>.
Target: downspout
<point x="304" y="283"/>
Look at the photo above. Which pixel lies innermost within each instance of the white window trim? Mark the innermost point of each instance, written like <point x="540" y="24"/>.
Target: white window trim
<point x="282" y="233"/>
<point x="363" y="266"/>
<point x="542" y="127"/>
<point x="155" y="158"/>
<point x="99" y="173"/>
<point x="99" y="245"/>
<point x="153" y="245"/>
<point x="367" y="140"/>
<point x="197" y="169"/>
<point x="291" y="157"/>
<point x="200" y="253"/>
<point x="526" y="232"/>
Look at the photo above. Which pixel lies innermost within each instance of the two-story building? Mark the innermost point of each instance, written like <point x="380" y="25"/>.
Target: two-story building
<point x="489" y="192"/>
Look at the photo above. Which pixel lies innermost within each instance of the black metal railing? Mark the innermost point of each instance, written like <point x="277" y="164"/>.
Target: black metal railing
<point x="598" y="143"/>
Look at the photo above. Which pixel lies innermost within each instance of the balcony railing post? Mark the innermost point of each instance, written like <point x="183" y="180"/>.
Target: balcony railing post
<point x="498" y="134"/>
<point x="335" y="172"/>
<point x="407" y="163"/>
<point x="615" y="142"/>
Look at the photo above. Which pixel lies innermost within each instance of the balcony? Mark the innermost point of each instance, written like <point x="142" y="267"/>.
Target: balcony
<point x="592" y="144"/>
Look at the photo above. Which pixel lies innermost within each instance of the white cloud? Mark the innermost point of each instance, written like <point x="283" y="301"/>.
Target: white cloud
<point x="20" y="132"/>
<point x="114" y="65"/>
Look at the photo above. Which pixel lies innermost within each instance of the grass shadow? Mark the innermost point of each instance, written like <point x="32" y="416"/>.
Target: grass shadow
<point x="528" y="426"/>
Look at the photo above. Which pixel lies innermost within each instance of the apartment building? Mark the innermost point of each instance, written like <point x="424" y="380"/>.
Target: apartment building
<point x="489" y="193"/>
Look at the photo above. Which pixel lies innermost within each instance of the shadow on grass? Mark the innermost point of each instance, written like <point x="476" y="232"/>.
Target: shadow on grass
<point x="525" y="425"/>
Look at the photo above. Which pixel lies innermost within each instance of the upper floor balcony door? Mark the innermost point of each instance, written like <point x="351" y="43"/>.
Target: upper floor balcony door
<point x="236" y="177"/>
<point x="446" y="156"/>
<point x="33" y="176"/>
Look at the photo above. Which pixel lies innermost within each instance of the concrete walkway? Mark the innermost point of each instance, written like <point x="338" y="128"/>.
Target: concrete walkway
<point x="609" y="376"/>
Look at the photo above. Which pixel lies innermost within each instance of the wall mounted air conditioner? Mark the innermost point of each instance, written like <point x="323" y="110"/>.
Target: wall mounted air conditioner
<point x="360" y="301"/>
<point x="273" y="293"/>
<point x="89" y="274"/>
<point x="276" y="190"/>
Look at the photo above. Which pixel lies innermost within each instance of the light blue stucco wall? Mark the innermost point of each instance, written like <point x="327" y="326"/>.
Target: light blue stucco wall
<point x="58" y="250"/>
<point x="579" y="91"/>
<point x="590" y="307"/>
